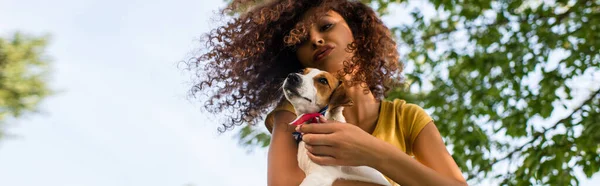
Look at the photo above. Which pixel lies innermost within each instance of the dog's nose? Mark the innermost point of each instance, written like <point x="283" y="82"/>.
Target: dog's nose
<point x="293" y="79"/>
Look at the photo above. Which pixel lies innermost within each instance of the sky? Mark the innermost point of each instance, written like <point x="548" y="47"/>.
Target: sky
<point x="121" y="116"/>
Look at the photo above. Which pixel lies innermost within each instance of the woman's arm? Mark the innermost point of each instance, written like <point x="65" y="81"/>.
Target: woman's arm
<point x="282" y="159"/>
<point x="436" y="165"/>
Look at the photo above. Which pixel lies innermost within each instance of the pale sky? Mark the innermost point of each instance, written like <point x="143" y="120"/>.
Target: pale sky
<point x="121" y="117"/>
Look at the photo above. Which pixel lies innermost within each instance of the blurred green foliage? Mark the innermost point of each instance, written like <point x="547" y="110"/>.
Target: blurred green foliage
<point x="23" y="76"/>
<point x="507" y="82"/>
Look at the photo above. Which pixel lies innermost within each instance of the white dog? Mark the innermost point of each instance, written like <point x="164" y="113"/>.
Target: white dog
<point x="314" y="92"/>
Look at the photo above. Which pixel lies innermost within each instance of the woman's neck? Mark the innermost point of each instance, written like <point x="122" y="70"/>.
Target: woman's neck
<point x="365" y="111"/>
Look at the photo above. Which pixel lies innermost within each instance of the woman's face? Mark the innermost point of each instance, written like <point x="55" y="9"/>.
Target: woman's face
<point x="326" y="43"/>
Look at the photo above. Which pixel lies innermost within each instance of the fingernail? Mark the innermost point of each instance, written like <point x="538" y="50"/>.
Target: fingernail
<point x="298" y="128"/>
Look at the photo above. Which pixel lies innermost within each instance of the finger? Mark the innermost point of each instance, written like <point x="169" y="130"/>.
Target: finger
<point x="320" y="150"/>
<point x="322" y="119"/>
<point x="318" y="139"/>
<point x="321" y="160"/>
<point x="323" y="128"/>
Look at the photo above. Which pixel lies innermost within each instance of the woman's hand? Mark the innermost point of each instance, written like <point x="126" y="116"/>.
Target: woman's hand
<point x="335" y="143"/>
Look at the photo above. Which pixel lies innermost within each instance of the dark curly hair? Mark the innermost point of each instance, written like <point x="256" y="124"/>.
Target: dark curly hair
<point x="247" y="59"/>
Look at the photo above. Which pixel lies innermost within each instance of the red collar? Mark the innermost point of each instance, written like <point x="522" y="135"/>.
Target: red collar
<point x="310" y="117"/>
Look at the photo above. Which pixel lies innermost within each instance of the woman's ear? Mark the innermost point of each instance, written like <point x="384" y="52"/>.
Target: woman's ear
<point x="340" y="98"/>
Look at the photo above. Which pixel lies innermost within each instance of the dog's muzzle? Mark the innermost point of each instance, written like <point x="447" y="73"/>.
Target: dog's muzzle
<point x="293" y="80"/>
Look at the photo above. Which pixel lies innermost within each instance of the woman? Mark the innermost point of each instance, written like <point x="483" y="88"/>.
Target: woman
<point x="249" y="57"/>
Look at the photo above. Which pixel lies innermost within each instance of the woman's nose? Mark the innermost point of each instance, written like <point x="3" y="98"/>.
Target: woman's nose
<point x="315" y="43"/>
<point x="316" y="39"/>
<point x="318" y="43"/>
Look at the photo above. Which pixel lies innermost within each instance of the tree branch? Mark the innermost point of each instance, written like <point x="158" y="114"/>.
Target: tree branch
<point x="537" y="135"/>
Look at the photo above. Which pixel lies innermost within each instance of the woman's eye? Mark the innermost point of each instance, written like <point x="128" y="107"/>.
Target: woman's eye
<point x="325" y="27"/>
<point x="323" y="81"/>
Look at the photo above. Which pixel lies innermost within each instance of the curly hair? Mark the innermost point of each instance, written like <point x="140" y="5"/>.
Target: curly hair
<point x="248" y="58"/>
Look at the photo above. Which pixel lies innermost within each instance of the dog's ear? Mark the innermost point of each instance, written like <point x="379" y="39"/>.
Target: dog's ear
<point x="340" y="98"/>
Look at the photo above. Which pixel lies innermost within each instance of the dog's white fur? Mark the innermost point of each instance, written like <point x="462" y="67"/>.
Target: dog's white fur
<point x="317" y="175"/>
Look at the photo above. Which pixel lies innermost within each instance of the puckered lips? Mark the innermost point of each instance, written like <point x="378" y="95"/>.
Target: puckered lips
<point x="322" y="52"/>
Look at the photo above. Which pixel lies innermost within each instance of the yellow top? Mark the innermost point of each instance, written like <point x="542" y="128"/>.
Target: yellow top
<point x="399" y="123"/>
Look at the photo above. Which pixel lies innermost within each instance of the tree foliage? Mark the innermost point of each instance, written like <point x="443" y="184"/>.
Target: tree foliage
<point x="23" y="73"/>
<point x="509" y="84"/>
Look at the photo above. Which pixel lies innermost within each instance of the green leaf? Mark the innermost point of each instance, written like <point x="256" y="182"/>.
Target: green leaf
<point x="24" y="70"/>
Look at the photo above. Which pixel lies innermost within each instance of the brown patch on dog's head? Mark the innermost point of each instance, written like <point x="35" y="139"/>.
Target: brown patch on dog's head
<point x="330" y="90"/>
<point x="340" y="98"/>
<point x="306" y="71"/>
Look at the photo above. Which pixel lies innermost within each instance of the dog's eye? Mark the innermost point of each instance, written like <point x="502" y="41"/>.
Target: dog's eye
<point x="323" y="81"/>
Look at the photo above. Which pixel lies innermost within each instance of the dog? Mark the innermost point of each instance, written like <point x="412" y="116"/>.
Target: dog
<point x="312" y="93"/>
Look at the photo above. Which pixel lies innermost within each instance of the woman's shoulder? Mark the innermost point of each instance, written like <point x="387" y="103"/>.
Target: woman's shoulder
<point x="407" y="116"/>
<point x="400" y="107"/>
<point x="405" y="112"/>
<point x="401" y="121"/>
